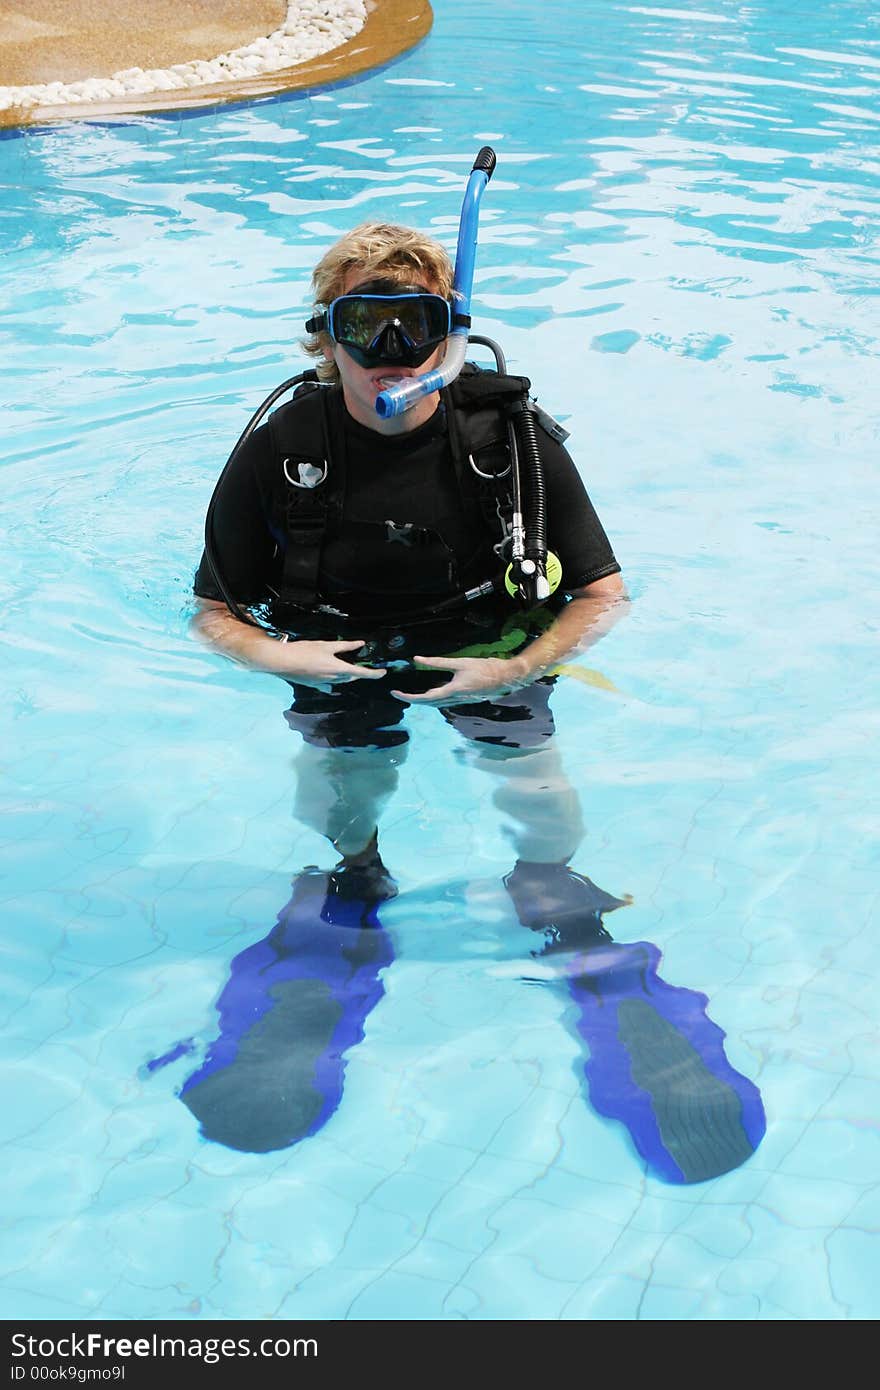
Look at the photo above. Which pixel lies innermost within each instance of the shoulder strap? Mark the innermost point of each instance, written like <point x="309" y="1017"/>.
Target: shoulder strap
<point x="309" y="476"/>
<point x="486" y="403"/>
<point x="475" y="387"/>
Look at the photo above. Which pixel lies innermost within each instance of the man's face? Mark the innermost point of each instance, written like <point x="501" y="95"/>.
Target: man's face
<point x="361" y="385"/>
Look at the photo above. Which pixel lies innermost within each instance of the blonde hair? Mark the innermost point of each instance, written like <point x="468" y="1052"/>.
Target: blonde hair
<point x="378" y="251"/>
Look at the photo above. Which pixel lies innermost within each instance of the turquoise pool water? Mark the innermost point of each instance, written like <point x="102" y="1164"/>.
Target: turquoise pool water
<point x="680" y="248"/>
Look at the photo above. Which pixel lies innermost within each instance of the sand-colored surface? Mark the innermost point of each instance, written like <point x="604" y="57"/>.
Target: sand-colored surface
<point x="67" y="40"/>
<point x="71" y="40"/>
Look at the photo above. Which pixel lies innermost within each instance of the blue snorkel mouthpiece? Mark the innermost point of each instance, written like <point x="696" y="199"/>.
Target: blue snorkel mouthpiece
<point x="399" y="398"/>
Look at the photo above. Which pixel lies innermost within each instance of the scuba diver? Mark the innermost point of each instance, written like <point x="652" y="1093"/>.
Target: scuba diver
<point x="409" y="529"/>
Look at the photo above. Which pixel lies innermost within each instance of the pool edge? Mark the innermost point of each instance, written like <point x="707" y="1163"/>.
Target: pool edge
<point x="392" y="28"/>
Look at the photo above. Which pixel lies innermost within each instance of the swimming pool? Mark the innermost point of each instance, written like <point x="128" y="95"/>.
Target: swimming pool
<point x="679" y="247"/>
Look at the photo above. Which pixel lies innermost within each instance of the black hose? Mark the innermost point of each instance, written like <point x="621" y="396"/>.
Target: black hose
<point x="536" y="526"/>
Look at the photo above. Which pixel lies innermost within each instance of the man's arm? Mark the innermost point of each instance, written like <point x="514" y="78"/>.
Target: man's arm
<point x="308" y="663"/>
<point x="592" y="611"/>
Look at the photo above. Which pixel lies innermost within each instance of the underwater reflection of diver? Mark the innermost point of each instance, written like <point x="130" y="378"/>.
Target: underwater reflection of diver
<point x="293" y="1006"/>
<point x="657" y="1061"/>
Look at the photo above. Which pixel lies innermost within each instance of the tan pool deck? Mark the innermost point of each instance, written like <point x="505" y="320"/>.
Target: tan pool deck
<point x="69" y="40"/>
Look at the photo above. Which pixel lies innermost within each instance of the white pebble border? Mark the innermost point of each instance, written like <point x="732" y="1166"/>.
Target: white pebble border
<point x="312" y="27"/>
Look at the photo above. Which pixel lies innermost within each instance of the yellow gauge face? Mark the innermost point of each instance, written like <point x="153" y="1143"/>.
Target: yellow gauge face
<point x="554" y="575"/>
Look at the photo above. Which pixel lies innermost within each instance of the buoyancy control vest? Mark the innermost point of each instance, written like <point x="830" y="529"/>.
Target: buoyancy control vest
<point x="308" y="495"/>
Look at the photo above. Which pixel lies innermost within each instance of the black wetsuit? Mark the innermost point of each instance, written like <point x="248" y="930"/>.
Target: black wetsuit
<point x="406" y="533"/>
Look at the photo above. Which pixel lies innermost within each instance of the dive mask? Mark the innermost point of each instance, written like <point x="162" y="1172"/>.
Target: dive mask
<point x="383" y="322"/>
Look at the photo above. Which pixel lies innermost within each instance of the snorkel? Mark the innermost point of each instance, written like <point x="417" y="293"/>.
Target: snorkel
<point x="533" y="573"/>
<point x="397" y="399"/>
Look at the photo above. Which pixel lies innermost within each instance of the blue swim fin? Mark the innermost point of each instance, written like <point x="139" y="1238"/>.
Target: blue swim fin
<point x="657" y="1061"/>
<point x="294" y="1005"/>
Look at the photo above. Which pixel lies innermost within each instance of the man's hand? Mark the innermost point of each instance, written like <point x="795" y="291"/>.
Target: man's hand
<point x="318" y="664"/>
<point x="474" y="678"/>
